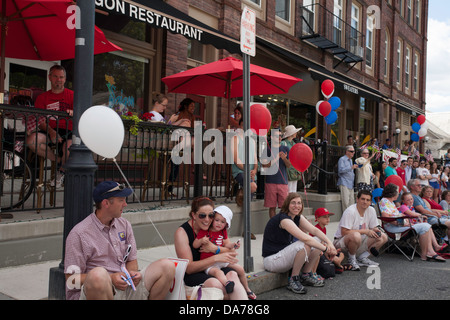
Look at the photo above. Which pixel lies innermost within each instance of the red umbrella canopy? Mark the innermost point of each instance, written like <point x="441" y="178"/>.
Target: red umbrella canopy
<point x="223" y="78"/>
<point x="37" y="30"/>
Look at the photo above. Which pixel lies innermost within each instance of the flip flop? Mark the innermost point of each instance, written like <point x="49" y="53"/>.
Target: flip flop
<point x="339" y="270"/>
<point x="435" y="258"/>
<point x="251" y="295"/>
<point x="347" y="267"/>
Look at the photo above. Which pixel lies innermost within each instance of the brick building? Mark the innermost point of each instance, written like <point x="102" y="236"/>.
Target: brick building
<point x="373" y="50"/>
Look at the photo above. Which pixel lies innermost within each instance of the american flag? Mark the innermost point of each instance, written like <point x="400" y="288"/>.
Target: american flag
<point x="377" y="152"/>
<point x="429" y="156"/>
<point x="417" y="153"/>
<point x="399" y="152"/>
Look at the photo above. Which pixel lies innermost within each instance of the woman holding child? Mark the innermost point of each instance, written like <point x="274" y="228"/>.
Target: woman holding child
<point x="201" y="217"/>
<point x="287" y="245"/>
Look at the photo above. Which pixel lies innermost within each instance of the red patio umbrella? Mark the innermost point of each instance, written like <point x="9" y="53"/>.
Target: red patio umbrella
<point x="224" y="78"/>
<point x="38" y="30"/>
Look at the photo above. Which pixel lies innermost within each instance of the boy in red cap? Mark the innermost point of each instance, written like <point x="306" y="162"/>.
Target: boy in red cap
<point x="323" y="219"/>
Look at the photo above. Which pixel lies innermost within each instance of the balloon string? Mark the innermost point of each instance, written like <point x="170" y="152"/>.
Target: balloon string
<point x="304" y="186"/>
<point x="142" y="207"/>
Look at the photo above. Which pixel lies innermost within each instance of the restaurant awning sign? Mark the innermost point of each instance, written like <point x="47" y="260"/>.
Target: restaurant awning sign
<point x="159" y="14"/>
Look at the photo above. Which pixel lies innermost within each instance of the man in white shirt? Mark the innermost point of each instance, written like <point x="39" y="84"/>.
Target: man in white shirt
<point x="358" y="232"/>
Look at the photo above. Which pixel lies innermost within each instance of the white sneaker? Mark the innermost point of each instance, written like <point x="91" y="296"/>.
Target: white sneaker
<point x="58" y="181"/>
<point x="354" y="264"/>
<point x="366" y="262"/>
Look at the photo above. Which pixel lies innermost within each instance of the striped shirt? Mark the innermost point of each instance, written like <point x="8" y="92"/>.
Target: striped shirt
<point x="92" y="244"/>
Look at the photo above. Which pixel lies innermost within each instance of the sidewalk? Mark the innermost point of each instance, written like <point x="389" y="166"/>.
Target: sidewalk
<point x="30" y="282"/>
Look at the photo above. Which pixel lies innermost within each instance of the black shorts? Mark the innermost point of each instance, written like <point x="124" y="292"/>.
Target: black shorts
<point x="65" y="135"/>
<point x="198" y="278"/>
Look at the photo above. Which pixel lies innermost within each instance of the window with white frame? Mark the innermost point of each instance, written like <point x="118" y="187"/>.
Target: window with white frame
<point x="386" y="54"/>
<point x="355" y="16"/>
<point x="369" y="41"/>
<point x="309" y="20"/>
<point x="409" y="11"/>
<point x="407" y="67"/>
<point x="399" y="62"/>
<point x="283" y="9"/>
<point x="418" y="13"/>
<point x="338" y="21"/>
<point x="416" y="74"/>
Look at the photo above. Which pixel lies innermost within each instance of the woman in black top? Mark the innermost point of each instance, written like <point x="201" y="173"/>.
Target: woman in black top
<point x="287" y="245"/>
<point x="201" y="216"/>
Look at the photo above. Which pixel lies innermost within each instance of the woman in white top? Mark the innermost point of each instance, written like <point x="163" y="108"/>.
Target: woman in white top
<point x="159" y="106"/>
<point x="423" y="174"/>
<point x="364" y="171"/>
<point x="444" y="179"/>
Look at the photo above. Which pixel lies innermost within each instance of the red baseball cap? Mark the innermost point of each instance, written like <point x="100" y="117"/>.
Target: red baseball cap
<point x="322" y="212"/>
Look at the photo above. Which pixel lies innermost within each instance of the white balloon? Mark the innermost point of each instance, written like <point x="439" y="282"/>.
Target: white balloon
<point x="102" y="131"/>
<point x="317" y="106"/>
<point x="425" y="125"/>
<point x="422" y="132"/>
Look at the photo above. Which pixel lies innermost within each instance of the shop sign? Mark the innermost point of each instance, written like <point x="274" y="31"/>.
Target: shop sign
<point x="153" y="18"/>
<point x="248" y="32"/>
<point x="351" y="89"/>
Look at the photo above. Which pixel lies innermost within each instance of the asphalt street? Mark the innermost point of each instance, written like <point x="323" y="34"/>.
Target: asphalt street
<point x="395" y="279"/>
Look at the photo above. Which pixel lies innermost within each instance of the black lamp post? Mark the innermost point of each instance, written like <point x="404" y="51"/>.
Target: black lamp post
<point x="80" y="166"/>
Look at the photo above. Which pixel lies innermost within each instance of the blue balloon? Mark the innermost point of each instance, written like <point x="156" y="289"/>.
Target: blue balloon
<point x="415" y="137"/>
<point x="331" y="118"/>
<point x="416" y="127"/>
<point x="376" y="194"/>
<point x="335" y="103"/>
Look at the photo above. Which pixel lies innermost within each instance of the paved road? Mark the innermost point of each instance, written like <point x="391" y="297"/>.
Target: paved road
<point x="398" y="279"/>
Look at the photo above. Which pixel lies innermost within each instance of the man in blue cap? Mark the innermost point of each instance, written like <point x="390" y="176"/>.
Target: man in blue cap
<point x="101" y="254"/>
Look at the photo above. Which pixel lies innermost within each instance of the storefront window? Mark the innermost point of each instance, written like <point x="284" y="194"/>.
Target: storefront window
<point x="26" y="81"/>
<point x="119" y="82"/>
<point x="123" y="25"/>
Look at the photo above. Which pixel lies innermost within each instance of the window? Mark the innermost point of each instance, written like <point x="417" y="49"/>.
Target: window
<point x="257" y="2"/>
<point x="283" y="9"/>
<point x="386" y="55"/>
<point x="309" y="24"/>
<point x="399" y="62"/>
<point x="418" y="11"/>
<point x="195" y="50"/>
<point x="354" y="29"/>
<point x="416" y="74"/>
<point x="338" y="22"/>
<point x="407" y="67"/>
<point x="369" y="42"/>
<point x="409" y="11"/>
<point x="400" y="7"/>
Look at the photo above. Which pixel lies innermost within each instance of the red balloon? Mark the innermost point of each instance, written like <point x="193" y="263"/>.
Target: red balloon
<point x="395" y="180"/>
<point x="260" y="119"/>
<point x="325" y="108"/>
<point x="421" y="119"/>
<point x="300" y="156"/>
<point x="327" y="88"/>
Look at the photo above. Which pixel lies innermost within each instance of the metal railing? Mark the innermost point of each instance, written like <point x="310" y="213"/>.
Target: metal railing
<point x="319" y="21"/>
<point x="145" y="159"/>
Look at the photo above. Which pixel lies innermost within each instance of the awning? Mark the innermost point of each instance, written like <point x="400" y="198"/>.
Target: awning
<point x="406" y="107"/>
<point x="320" y="73"/>
<point x="159" y="14"/>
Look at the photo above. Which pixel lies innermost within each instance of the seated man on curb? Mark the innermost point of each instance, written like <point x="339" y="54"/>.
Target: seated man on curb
<point x="358" y="232"/>
<point x="102" y="251"/>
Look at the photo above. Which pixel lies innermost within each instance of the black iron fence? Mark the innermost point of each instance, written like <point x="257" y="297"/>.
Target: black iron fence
<point x="149" y="161"/>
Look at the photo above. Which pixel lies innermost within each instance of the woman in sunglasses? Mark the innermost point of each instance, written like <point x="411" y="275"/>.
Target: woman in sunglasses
<point x="200" y="218"/>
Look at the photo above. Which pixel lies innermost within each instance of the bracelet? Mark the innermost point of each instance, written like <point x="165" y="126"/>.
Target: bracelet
<point x="326" y="248"/>
<point x="218" y="250"/>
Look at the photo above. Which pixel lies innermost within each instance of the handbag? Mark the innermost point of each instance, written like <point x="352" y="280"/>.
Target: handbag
<point x="200" y="293"/>
<point x="326" y="267"/>
<point x="177" y="290"/>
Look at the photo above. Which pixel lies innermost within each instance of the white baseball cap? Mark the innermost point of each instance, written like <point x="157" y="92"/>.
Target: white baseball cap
<point x="226" y="213"/>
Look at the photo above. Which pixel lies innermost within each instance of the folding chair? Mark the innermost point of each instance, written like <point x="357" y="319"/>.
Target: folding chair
<point x="406" y="239"/>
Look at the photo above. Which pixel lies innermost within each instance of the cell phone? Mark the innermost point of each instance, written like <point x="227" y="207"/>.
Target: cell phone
<point x="236" y="245"/>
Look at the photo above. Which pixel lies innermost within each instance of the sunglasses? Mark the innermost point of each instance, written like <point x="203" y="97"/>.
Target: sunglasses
<point x="125" y="257"/>
<point x="119" y="187"/>
<point x="203" y="216"/>
<point x="351" y="151"/>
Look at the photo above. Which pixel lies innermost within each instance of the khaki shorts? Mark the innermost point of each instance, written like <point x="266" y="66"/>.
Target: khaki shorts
<point x="283" y="260"/>
<point x="340" y="244"/>
<point x="141" y="292"/>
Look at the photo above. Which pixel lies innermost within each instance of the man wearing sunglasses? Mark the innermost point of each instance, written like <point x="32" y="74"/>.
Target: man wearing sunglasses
<point x="102" y="251"/>
<point x="346" y="178"/>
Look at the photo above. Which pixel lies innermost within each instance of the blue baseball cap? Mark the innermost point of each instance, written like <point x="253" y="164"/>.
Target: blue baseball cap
<point x="109" y="189"/>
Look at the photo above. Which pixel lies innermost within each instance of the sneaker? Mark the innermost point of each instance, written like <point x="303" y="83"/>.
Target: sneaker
<point x="58" y="182"/>
<point x="354" y="264"/>
<point x="308" y="279"/>
<point x="295" y="286"/>
<point x="366" y="262"/>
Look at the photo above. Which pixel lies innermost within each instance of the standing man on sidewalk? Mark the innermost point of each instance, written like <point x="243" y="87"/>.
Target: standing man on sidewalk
<point x="347" y="177"/>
